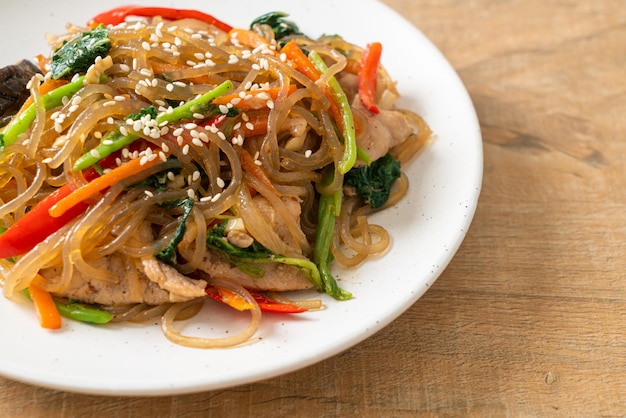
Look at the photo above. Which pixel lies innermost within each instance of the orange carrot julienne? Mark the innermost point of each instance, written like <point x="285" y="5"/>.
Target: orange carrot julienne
<point x="47" y="312"/>
<point x="306" y="67"/>
<point x="255" y="99"/>
<point x="256" y="125"/>
<point x="248" y="165"/>
<point x="247" y="37"/>
<point x="302" y="63"/>
<point x="101" y="183"/>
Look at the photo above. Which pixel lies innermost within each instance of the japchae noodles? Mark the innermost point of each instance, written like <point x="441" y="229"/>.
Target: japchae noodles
<point x="187" y="160"/>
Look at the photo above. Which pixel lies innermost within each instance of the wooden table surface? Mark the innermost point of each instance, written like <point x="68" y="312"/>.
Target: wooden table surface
<point x="530" y="316"/>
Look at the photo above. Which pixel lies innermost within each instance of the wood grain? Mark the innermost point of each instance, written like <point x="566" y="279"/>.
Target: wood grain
<point x="530" y="316"/>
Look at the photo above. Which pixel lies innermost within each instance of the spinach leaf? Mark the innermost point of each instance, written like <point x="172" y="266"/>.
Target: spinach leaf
<point x="168" y="254"/>
<point x="281" y="26"/>
<point x="76" y="55"/>
<point x="373" y="183"/>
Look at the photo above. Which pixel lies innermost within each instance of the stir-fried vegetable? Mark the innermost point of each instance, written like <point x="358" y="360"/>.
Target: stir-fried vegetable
<point x="280" y="26"/>
<point x="38" y="224"/>
<point x="23" y="121"/>
<point x="46" y="309"/>
<point x="119" y="15"/>
<point x="79" y="53"/>
<point x="368" y="76"/>
<point x="373" y="183"/>
<point x="237" y="302"/>
<point x="168" y="254"/>
<point x="116" y="141"/>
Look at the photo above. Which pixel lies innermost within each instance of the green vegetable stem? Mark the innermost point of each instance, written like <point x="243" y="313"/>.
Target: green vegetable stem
<point x="114" y="140"/>
<point x="350" y="147"/>
<point x="51" y="100"/>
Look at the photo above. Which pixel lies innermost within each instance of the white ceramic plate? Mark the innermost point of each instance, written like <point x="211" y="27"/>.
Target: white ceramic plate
<point x="427" y="227"/>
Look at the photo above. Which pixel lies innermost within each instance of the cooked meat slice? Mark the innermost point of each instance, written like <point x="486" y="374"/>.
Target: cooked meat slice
<point x="181" y="287"/>
<point x="128" y="285"/>
<point x="292" y="204"/>
<point x="13" y="81"/>
<point x="278" y="277"/>
<point x="383" y="131"/>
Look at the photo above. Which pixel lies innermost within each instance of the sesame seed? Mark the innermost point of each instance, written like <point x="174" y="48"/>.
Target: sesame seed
<point x="190" y="125"/>
<point x="109" y="103"/>
<point x="206" y="199"/>
<point x="46" y="160"/>
<point x="196" y="142"/>
<point x="118" y="161"/>
<point x="125" y="153"/>
<point x="145" y="45"/>
<point x="221" y="135"/>
<point x="148" y="193"/>
<point x="237" y="126"/>
<point x="179" y="140"/>
<point x="155" y="82"/>
<point x="216" y="198"/>
<point x="308" y="153"/>
<point x="283" y="57"/>
<point x="270" y="104"/>
<point x="220" y="182"/>
<point x="258" y="162"/>
<point x="171" y="176"/>
<point x="119" y="98"/>
<point x="125" y="68"/>
<point x="191" y="193"/>
<point x="107" y="142"/>
<point x="223" y="109"/>
<point x="178" y="131"/>
<point x="74" y="108"/>
<point x="196" y="176"/>
<point x="186" y="149"/>
<point x="169" y="87"/>
<point x="110" y="120"/>
<point x="97" y="134"/>
<point x="249" y="126"/>
<point x="76" y="100"/>
<point x="203" y="136"/>
<point x="162" y="156"/>
<point x="198" y="116"/>
<point x="123" y="131"/>
<point x="178" y="41"/>
<point x="256" y="67"/>
<point x="94" y="153"/>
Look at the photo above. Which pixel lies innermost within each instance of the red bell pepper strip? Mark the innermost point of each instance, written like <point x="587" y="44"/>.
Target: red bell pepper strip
<point x="119" y="15"/>
<point x="368" y="76"/>
<point x="266" y="304"/>
<point x="37" y="224"/>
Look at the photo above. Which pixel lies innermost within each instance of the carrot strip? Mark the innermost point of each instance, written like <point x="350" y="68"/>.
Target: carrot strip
<point x="47" y="312"/>
<point x="101" y="183"/>
<point x="256" y="99"/>
<point x="258" y="125"/>
<point x="164" y="67"/>
<point x="248" y="38"/>
<point x="247" y="163"/>
<point x="302" y="63"/>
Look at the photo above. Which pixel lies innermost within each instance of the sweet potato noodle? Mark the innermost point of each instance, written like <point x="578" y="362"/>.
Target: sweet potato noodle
<point x="259" y="162"/>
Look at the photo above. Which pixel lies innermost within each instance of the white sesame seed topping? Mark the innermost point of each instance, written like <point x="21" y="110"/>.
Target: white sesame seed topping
<point x="186" y="149"/>
<point x="220" y="182"/>
<point x="196" y="175"/>
<point x="94" y="153"/>
<point x="191" y="193"/>
<point x="148" y="193"/>
<point x="308" y="153"/>
<point x="145" y="45"/>
<point x="171" y="176"/>
<point x="216" y="198"/>
<point x="197" y="142"/>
